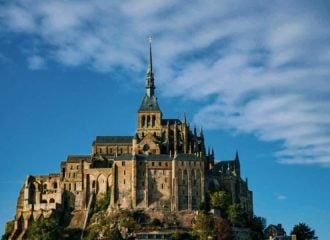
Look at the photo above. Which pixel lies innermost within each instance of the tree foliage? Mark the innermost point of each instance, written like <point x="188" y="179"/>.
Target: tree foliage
<point x="44" y="229"/>
<point x="222" y="229"/>
<point x="9" y="230"/>
<point x="257" y="226"/>
<point x="203" y="225"/>
<point x="236" y="215"/>
<point x="303" y="232"/>
<point x="221" y="200"/>
<point x="103" y="204"/>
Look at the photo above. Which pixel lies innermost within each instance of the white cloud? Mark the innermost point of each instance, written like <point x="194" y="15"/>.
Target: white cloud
<point x="36" y="62"/>
<point x="281" y="197"/>
<point x="265" y="66"/>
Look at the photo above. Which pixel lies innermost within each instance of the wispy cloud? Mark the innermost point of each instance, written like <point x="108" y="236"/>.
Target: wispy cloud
<point x="281" y="197"/>
<point x="267" y="67"/>
<point x="36" y="62"/>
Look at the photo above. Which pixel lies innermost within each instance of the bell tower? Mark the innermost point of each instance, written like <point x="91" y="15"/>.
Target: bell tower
<point x="149" y="113"/>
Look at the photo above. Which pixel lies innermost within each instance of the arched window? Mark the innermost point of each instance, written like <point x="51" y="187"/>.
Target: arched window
<point x="153" y="120"/>
<point x="52" y="200"/>
<point x="148" y="121"/>
<point x="54" y="185"/>
<point x="143" y="121"/>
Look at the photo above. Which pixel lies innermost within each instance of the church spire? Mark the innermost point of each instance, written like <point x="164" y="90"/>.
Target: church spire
<point x="150" y="84"/>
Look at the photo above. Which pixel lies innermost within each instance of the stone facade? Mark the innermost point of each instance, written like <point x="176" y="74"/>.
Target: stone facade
<point x="163" y="167"/>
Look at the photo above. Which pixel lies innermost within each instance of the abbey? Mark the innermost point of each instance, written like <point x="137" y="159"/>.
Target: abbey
<point x="163" y="167"/>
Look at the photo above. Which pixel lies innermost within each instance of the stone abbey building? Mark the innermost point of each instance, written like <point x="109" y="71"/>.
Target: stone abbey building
<point x="165" y="166"/>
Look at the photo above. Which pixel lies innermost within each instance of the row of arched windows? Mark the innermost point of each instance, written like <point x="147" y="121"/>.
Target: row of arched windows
<point x="148" y="121"/>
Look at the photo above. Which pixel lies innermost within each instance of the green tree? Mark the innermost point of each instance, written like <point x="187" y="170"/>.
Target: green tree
<point x="222" y="229"/>
<point x="236" y="215"/>
<point x="303" y="232"/>
<point x="203" y="225"/>
<point x="221" y="200"/>
<point x="9" y="230"/>
<point x="44" y="229"/>
<point x="257" y="226"/>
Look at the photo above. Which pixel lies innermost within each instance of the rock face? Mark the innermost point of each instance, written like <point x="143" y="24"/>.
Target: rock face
<point x="163" y="167"/>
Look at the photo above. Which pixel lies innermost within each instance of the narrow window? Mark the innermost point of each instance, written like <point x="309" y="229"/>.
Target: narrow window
<point x="166" y="164"/>
<point x="153" y="120"/>
<point x="159" y="163"/>
<point x="148" y="121"/>
<point x="124" y="172"/>
<point x="143" y="121"/>
<point x="124" y="181"/>
<point x="123" y="163"/>
<point x="152" y="164"/>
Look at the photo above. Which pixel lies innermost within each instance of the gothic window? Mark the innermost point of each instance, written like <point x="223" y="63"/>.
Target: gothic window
<point x="143" y="121"/>
<point x="148" y="121"/>
<point x="55" y="185"/>
<point x="123" y="163"/>
<point x="159" y="163"/>
<point x="153" y="120"/>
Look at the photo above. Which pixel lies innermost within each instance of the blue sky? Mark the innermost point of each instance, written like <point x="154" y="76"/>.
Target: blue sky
<point x="253" y="74"/>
